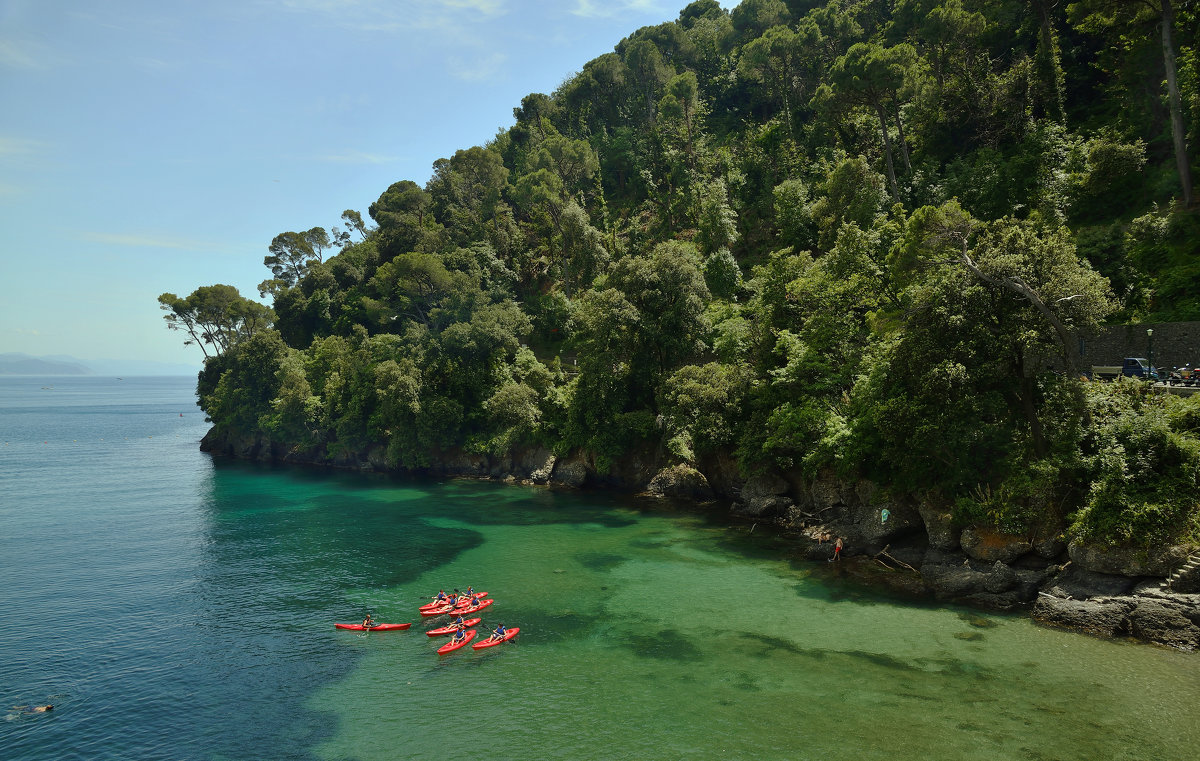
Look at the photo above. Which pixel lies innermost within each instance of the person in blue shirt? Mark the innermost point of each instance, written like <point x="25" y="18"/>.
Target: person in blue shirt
<point x="459" y="636"/>
<point x="498" y="633"/>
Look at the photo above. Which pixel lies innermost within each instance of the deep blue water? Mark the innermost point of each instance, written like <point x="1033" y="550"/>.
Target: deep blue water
<point x="173" y="607"/>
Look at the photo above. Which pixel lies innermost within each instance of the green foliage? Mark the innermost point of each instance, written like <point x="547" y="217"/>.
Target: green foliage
<point x="1145" y="471"/>
<point x="215" y="316"/>
<point x="815" y="234"/>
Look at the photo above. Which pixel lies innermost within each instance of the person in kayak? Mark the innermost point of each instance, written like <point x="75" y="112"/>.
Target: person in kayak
<point x="459" y="622"/>
<point x="440" y="596"/>
<point x="368" y="622"/>
<point x="498" y="633"/>
<point x="470" y="591"/>
<point x="452" y="600"/>
<point x="459" y="636"/>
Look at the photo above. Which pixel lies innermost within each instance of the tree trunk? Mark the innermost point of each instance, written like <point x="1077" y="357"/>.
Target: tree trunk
<point x="887" y="150"/>
<point x="900" y="136"/>
<point x="1178" y="132"/>
<point x="1036" y="433"/>
<point x="1048" y="65"/>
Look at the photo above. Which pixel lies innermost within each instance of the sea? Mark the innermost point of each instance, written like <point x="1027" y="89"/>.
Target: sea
<point x="175" y="606"/>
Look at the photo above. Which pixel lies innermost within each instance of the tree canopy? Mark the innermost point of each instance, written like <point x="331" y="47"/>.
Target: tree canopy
<point x="810" y="236"/>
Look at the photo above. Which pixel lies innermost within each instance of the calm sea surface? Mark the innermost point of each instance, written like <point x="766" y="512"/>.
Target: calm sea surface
<point x="173" y="607"/>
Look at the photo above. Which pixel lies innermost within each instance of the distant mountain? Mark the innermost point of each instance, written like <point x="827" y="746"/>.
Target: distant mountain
<point x="14" y="363"/>
<point x="23" y="364"/>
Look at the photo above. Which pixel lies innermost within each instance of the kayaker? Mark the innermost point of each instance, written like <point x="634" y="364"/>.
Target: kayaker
<point x="459" y="636"/>
<point x="498" y="633"/>
<point x="452" y="600"/>
<point x="459" y="622"/>
<point x="368" y="622"/>
<point x="441" y="596"/>
<point x="470" y="591"/>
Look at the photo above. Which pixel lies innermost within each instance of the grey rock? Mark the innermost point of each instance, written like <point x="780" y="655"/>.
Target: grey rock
<point x="1001" y="579"/>
<point x="1104" y="617"/>
<point x="953" y="582"/>
<point x="939" y="524"/>
<point x="1080" y="584"/>
<point x="573" y="472"/>
<point x="681" y="482"/>
<point x="1164" y="623"/>
<point x="536" y="465"/>
<point x="826" y="492"/>
<point x="884" y="521"/>
<point x="764" y="507"/>
<point x="764" y="485"/>
<point x="1050" y="547"/>
<point x="991" y="601"/>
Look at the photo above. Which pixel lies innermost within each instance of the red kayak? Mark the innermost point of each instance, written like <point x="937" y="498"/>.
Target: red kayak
<point x="451" y="646"/>
<point x="435" y="604"/>
<point x="472" y="608"/>
<point x="375" y="628"/>
<point x="508" y="634"/>
<point x="451" y="629"/>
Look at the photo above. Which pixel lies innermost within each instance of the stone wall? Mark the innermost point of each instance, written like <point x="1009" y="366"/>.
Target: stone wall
<point x="1175" y="344"/>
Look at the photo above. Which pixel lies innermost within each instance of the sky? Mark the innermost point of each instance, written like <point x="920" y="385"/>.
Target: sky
<point x="150" y="147"/>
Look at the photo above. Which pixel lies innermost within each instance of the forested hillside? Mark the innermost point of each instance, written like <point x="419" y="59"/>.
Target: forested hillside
<point x="859" y="237"/>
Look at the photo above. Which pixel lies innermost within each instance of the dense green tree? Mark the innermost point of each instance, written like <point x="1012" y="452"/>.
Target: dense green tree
<point x="1141" y="18"/>
<point x="215" y="316"/>
<point x="683" y="254"/>
<point x="873" y="76"/>
<point x="782" y="59"/>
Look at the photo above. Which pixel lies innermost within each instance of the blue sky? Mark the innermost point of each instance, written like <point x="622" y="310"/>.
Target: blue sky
<point x="148" y="147"/>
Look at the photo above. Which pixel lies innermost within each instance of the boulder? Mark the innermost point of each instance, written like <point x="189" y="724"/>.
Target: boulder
<point x="989" y="546"/>
<point x="826" y="492"/>
<point x="1165" y="623"/>
<point x="764" y="495"/>
<point x="880" y="521"/>
<point x="939" y="523"/>
<point x="1001" y="579"/>
<point x="765" y="507"/>
<point x="681" y="482"/>
<point x="764" y="485"/>
<point x="1081" y="584"/>
<point x="1121" y="561"/>
<point x="1104" y="617"/>
<point x="573" y="472"/>
<point x="1050" y="547"/>
<point x="953" y="582"/>
<point x="536" y="465"/>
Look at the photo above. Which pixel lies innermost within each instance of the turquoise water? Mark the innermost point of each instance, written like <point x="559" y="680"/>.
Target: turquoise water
<point x="173" y="607"/>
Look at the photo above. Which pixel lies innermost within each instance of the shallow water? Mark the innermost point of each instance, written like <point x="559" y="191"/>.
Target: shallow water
<point x="173" y="607"/>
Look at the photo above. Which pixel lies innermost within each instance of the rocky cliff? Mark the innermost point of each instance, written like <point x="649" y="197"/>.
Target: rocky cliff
<point x="910" y="544"/>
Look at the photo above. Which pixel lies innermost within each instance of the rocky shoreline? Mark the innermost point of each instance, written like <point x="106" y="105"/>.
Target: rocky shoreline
<point x="1152" y="597"/>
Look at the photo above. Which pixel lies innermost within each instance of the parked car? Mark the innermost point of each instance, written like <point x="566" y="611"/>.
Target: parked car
<point x="1133" y="367"/>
